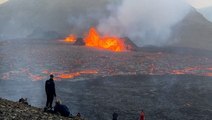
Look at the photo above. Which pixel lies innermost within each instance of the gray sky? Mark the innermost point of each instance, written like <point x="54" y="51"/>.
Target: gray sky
<point x="195" y="3"/>
<point x="199" y="4"/>
<point x="203" y="6"/>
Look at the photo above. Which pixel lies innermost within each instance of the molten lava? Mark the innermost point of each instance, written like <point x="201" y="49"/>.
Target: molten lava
<point x="93" y="39"/>
<point x="68" y="75"/>
<point x="71" y="38"/>
<point x="76" y="74"/>
<point x="202" y="71"/>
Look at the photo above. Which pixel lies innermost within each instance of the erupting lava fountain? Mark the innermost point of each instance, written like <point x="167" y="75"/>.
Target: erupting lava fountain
<point x="93" y="39"/>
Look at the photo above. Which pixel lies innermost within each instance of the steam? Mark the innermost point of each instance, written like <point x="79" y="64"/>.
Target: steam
<point x="49" y="18"/>
<point x="146" y="22"/>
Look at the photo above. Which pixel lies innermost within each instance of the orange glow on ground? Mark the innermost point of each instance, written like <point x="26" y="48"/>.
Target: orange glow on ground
<point x="68" y="75"/>
<point x="76" y="74"/>
<point x="209" y="69"/>
<point x="70" y="39"/>
<point x="35" y="77"/>
<point x="193" y="71"/>
<point x="178" y="72"/>
<point x="208" y="74"/>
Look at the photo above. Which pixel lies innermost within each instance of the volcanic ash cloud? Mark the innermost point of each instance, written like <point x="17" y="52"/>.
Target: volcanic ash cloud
<point x="146" y="22"/>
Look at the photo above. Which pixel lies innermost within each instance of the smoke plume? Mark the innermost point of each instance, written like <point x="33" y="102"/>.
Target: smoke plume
<point x="146" y="22"/>
<point x="49" y="18"/>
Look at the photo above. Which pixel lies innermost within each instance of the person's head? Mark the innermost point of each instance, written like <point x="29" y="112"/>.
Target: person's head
<point x="58" y="102"/>
<point x="78" y="115"/>
<point x="114" y="113"/>
<point x="51" y="76"/>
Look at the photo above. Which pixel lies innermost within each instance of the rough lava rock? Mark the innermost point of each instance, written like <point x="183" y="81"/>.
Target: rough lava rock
<point x="17" y="111"/>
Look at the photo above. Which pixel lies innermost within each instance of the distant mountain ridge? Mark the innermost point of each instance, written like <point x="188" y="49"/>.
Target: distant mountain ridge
<point x="193" y="31"/>
<point x="207" y="12"/>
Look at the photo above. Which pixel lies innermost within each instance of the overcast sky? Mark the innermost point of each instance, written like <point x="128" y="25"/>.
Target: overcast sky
<point x="3" y="1"/>
<point x="195" y="3"/>
<point x="199" y="4"/>
<point x="204" y="7"/>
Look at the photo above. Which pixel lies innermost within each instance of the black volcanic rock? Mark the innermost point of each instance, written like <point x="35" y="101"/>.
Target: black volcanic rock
<point x="17" y="111"/>
<point x="79" y="42"/>
<point x="129" y="44"/>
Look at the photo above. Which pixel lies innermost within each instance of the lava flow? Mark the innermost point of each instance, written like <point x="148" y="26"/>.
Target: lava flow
<point x="70" y="75"/>
<point x="93" y="39"/>
<point x="202" y="71"/>
<point x="76" y="74"/>
<point x="71" y="38"/>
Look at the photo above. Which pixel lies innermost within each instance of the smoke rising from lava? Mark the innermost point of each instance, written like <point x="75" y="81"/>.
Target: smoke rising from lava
<point x="146" y="22"/>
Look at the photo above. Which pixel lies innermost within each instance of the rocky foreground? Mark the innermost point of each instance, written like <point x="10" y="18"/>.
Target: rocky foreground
<point x="18" y="111"/>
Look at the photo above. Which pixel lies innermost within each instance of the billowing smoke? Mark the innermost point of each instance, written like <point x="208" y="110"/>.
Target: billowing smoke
<point x="49" y="18"/>
<point x="146" y="22"/>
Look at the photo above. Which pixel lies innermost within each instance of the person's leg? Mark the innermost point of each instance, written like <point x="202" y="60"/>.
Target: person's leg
<point x="51" y="98"/>
<point x="47" y="101"/>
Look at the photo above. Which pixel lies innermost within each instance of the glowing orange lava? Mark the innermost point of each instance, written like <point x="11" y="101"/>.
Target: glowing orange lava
<point x="203" y="71"/>
<point x="93" y="39"/>
<point x="68" y="75"/>
<point x="71" y="38"/>
<point x="76" y="74"/>
<point x="208" y="74"/>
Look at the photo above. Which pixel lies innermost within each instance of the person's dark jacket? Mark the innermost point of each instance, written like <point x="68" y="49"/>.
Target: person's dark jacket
<point x="50" y="87"/>
<point x="115" y="116"/>
<point x="62" y="109"/>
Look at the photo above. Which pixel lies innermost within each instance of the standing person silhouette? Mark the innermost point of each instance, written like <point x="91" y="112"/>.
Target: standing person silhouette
<point x="50" y="92"/>
<point x="142" y="115"/>
<point x="115" y="116"/>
